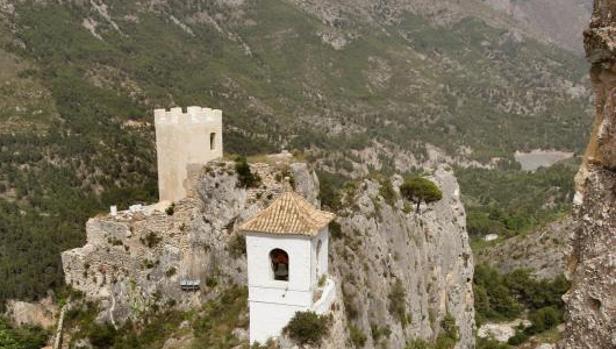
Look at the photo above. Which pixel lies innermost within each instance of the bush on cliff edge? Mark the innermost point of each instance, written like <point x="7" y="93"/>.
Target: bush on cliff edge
<point x="307" y="327"/>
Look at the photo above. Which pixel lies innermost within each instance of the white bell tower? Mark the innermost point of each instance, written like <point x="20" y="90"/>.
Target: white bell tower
<point x="286" y="247"/>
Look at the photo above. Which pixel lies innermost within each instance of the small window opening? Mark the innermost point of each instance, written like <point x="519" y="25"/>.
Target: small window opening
<point x="212" y="141"/>
<point x="319" y="244"/>
<point x="280" y="264"/>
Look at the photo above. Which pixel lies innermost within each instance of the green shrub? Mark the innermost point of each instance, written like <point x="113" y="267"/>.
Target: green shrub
<point x="307" y="327"/>
<point x="270" y="344"/>
<point x="517" y="339"/>
<point x="170" y="272"/>
<point x="504" y="297"/>
<point x="114" y="241"/>
<point x="26" y="337"/>
<point x="151" y="239"/>
<point x="444" y="342"/>
<point x="543" y="319"/>
<point x="386" y="190"/>
<point x="480" y="224"/>
<point x="170" y="209"/>
<point x="322" y="280"/>
<point x="335" y="230"/>
<point x="488" y="343"/>
<point x="418" y="343"/>
<point x="237" y="245"/>
<point x="449" y="327"/>
<point x="246" y="178"/>
<point x="211" y="281"/>
<point x="358" y="338"/>
<point x="494" y="300"/>
<point x="419" y="189"/>
<point x="148" y="263"/>
<point x="350" y="309"/>
<point x="217" y="319"/>
<point x="449" y="335"/>
<point x="329" y="189"/>
<point x="378" y="332"/>
<point x="102" y="336"/>
<point x="397" y="303"/>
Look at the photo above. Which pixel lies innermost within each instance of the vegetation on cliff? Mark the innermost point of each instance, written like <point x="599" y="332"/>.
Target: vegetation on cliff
<point x="26" y="337"/>
<point x="210" y="326"/>
<point x="308" y="328"/>
<point x="419" y="189"/>
<point x="510" y="201"/>
<point x="501" y="297"/>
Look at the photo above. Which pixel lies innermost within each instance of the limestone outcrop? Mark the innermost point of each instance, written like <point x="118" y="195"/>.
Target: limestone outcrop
<point x="389" y="261"/>
<point x="386" y="245"/>
<point x="42" y="313"/>
<point x="591" y="301"/>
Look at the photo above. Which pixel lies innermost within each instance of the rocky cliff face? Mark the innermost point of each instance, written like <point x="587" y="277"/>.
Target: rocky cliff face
<point x="591" y="301"/>
<point x="393" y="266"/>
<point x="383" y="246"/>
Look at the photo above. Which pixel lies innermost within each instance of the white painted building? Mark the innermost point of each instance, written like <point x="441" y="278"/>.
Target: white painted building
<point x="183" y="139"/>
<point x="287" y="255"/>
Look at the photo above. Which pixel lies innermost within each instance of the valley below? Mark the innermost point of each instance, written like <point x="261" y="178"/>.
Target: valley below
<point x="341" y="102"/>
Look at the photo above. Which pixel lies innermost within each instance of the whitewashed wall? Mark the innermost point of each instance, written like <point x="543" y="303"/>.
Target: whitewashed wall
<point x="272" y="302"/>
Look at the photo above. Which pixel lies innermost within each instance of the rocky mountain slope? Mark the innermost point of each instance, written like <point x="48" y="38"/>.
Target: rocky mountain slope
<point x="561" y="22"/>
<point x="357" y="86"/>
<point x="591" y="299"/>
<point x="401" y="273"/>
<point x="544" y="250"/>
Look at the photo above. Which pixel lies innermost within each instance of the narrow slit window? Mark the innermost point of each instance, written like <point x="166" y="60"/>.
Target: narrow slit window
<point x="319" y="244"/>
<point x="212" y="140"/>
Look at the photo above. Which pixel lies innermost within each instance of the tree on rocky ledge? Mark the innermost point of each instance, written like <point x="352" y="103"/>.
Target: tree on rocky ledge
<point x="418" y="189"/>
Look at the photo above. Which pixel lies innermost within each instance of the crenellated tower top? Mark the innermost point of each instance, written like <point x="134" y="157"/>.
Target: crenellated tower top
<point x="193" y="114"/>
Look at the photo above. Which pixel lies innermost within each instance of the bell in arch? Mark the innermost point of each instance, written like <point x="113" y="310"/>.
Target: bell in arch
<point x="280" y="264"/>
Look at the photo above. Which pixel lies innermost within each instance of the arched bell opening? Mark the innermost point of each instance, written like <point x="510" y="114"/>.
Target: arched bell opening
<point x="280" y="264"/>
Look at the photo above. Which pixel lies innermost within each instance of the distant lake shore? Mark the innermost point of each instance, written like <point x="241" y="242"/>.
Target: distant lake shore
<point x="534" y="159"/>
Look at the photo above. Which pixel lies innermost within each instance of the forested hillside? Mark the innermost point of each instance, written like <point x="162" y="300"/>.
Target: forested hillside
<point x="79" y="81"/>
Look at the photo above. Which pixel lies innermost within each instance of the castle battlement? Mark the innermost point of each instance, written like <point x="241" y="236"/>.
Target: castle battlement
<point x="193" y="114"/>
<point x="184" y="138"/>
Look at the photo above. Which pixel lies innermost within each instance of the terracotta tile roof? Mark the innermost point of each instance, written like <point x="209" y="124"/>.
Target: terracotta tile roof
<point x="289" y="214"/>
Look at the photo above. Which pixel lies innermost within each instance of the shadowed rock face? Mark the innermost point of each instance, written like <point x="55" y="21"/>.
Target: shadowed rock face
<point x="591" y="301"/>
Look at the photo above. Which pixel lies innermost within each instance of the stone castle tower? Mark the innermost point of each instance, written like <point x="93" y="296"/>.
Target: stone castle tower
<point x="182" y="139"/>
